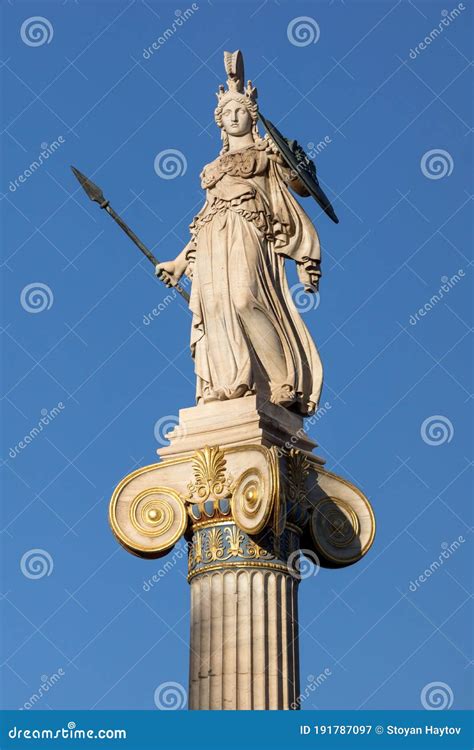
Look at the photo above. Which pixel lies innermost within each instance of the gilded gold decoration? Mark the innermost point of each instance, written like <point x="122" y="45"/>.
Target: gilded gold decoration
<point x="153" y="515"/>
<point x="254" y="550"/>
<point x="150" y="523"/>
<point x="209" y="470"/>
<point x="235" y="539"/>
<point x="223" y="542"/>
<point x="341" y="523"/>
<point x="342" y="530"/>
<point x="241" y="564"/>
<point x="298" y="471"/>
<point x="279" y="504"/>
<point x="197" y="549"/>
<point x="252" y="501"/>
<point x="215" y="548"/>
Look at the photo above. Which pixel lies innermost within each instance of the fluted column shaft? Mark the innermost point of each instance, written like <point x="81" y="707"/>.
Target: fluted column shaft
<point x="244" y="623"/>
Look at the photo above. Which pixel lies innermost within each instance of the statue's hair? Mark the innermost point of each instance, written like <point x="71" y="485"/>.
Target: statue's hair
<point x="252" y="109"/>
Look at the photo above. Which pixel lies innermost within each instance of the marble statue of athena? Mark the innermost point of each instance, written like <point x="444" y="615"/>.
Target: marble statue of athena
<point x="247" y="336"/>
<point x="239" y="479"/>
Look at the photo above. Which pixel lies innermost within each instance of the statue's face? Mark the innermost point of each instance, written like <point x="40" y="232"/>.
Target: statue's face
<point x="236" y="118"/>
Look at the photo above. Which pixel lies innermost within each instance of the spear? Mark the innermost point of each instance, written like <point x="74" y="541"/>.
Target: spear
<point x="95" y="194"/>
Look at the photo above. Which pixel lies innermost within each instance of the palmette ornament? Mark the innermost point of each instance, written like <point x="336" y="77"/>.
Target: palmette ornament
<point x="152" y="508"/>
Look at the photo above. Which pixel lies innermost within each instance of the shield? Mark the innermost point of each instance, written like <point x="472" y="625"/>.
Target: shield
<point x="299" y="161"/>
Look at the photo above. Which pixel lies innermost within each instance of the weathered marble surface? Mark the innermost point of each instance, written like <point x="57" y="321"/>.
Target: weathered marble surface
<point x="248" y="509"/>
<point x="239" y="479"/>
<point x="247" y="335"/>
<point x="251" y="420"/>
<point x="244" y="640"/>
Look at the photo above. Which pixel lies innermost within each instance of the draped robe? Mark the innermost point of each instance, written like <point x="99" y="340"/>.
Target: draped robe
<point x="247" y="335"/>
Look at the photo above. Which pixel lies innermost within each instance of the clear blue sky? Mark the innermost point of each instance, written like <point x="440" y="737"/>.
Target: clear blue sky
<point x="403" y="227"/>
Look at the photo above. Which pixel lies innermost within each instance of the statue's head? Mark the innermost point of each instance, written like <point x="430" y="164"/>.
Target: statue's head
<point x="235" y="117"/>
<point x="237" y="111"/>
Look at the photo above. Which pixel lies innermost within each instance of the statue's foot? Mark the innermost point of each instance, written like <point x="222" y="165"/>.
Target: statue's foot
<point x="208" y="395"/>
<point x="240" y="391"/>
<point x="226" y="394"/>
<point x="311" y="408"/>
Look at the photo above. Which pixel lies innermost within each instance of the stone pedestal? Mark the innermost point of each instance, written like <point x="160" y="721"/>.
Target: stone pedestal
<point x="243" y="421"/>
<point x="240" y="482"/>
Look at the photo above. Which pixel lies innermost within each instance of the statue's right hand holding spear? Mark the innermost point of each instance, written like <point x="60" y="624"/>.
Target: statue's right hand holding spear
<point x="171" y="271"/>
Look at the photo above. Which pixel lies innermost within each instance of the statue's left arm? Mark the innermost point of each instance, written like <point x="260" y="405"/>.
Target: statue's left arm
<point x="300" y="240"/>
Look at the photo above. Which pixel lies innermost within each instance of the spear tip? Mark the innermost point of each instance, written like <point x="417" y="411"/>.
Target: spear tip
<point x="92" y="190"/>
